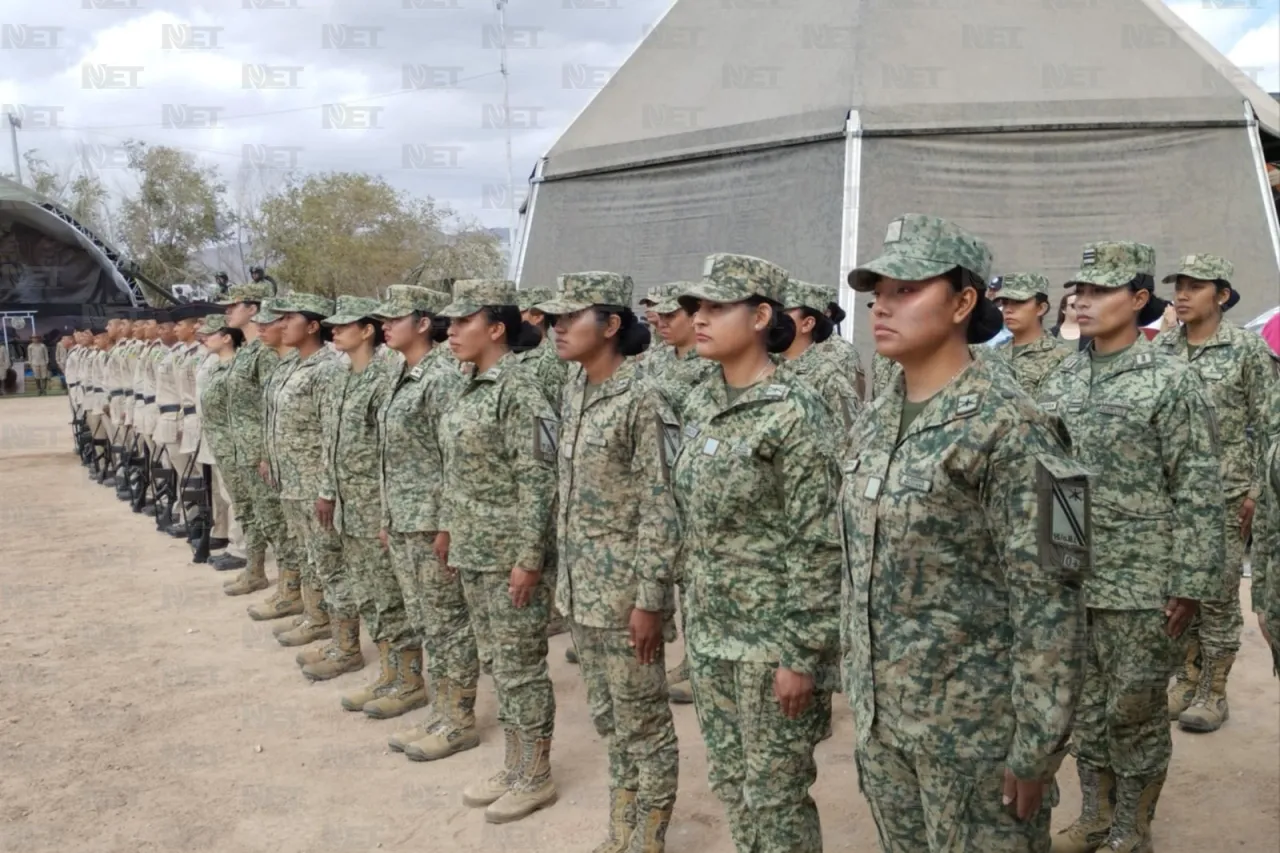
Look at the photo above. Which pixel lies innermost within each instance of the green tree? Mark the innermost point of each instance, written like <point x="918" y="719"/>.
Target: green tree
<point x="82" y="194"/>
<point x="176" y="211"/>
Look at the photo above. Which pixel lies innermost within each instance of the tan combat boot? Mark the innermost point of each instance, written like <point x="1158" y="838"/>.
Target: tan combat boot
<point x="679" y="689"/>
<point x="408" y="693"/>
<point x="533" y="788"/>
<point x="1097" y="811"/>
<point x="487" y="791"/>
<point x="1209" y="710"/>
<point x="252" y="579"/>
<point x="454" y="730"/>
<point x="1136" y="800"/>
<point x="401" y="739"/>
<point x="622" y="821"/>
<point x="315" y="621"/>
<point x="386" y="678"/>
<point x="285" y="601"/>
<point x="651" y="831"/>
<point x="287" y="625"/>
<point x="1183" y="689"/>
<point x="345" y="657"/>
<point x="556" y="624"/>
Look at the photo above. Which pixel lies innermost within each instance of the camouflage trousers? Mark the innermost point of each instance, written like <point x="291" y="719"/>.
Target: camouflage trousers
<point x="322" y="568"/>
<point x="515" y="639"/>
<point x="924" y="804"/>
<point x="1122" y="720"/>
<point x="435" y="609"/>
<point x="368" y="569"/>
<point x="629" y="707"/>
<point x="759" y="763"/>
<point x="258" y="510"/>
<point x="1218" y="624"/>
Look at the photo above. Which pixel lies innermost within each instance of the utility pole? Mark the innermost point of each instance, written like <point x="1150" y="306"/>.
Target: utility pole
<point x="506" y="112"/>
<point x="14" y="124"/>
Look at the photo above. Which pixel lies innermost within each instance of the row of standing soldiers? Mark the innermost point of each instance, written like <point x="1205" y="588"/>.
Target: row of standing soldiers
<point x="450" y="498"/>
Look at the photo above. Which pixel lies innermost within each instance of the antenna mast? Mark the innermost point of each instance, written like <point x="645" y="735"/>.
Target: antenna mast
<point x="506" y="113"/>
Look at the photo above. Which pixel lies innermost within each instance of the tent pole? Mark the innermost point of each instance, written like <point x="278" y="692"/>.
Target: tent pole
<point x="849" y="221"/>
<point x="14" y="124"/>
<point x="1260" y="164"/>
<point x="517" y="256"/>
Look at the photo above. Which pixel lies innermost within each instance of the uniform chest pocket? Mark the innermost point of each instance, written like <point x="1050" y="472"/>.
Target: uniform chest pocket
<point x="735" y="475"/>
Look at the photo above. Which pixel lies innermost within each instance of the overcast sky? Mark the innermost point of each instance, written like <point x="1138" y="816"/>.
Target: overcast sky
<point x="413" y="87"/>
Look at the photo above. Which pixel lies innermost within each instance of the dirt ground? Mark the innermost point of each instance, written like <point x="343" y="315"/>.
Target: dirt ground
<point x="141" y="710"/>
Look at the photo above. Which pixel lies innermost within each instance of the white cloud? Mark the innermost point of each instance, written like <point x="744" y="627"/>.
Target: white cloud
<point x="1257" y="53"/>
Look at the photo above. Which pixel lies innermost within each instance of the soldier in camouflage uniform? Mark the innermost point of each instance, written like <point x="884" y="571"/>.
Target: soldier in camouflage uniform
<point x="961" y="636"/>
<point x="617" y="541"/>
<point x="755" y="484"/>
<point x="1024" y="300"/>
<point x="840" y="351"/>
<point x="412" y="480"/>
<point x="803" y="360"/>
<point x="499" y="449"/>
<point x="297" y="466"/>
<point x="1139" y="419"/>
<point x="1239" y="374"/>
<point x="1265" y="588"/>
<point x="361" y="584"/>
<point x="658" y="347"/>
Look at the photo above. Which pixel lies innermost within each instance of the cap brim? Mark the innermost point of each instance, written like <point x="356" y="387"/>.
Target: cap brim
<point x="667" y="306"/>
<point x="461" y="309"/>
<point x="902" y="267"/>
<point x="342" y="319"/>
<point x="264" y="317"/>
<point x="559" y="307"/>
<point x="386" y="312"/>
<point x="1102" y="278"/>
<point x="1014" y="295"/>
<point x="711" y="292"/>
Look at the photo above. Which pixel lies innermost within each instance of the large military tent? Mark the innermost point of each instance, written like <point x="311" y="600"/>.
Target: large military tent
<point x="796" y="129"/>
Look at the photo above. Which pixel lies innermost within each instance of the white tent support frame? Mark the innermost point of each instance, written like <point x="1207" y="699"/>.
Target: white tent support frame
<point x="1268" y="204"/>
<point x="848" y="298"/>
<point x="518" y="250"/>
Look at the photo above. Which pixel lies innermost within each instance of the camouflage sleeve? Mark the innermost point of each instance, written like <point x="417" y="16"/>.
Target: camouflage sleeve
<point x="266" y="364"/>
<point x="806" y="469"/>
<point x="526" y="417"/>
<point x="1187" y="433"/>
<point x="656" y="539"/>
<point x="1266" y="530"/>
<point x="330" y="386"/>
<point x="1046" y="608"/>
<point x="1260" y="370"/>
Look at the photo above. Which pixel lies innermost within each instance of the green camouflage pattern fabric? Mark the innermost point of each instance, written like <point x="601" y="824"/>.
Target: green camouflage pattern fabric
<point x="1203" y="267"/>
<point x="759" y="763"/>
<point x="734" y="278"/>
<point x="918" y="247"/>
<point x="887" y="372"/>
<point x="755" y="486"/>
<point x="408" y="425"/>
<point x="321" y="557"/>
<point x="1114" y="263"/>
<point x="303" y="303"/>
<point x="515" y="639"/>
<point x="1019" y="287"/>
<point x="1122" y="721"/>
<point x="1145" y="427"/>
<point x="247" y="292"/>
<point x="212" y="323"/>
<point x="215" y="413"/>
<point x="668" y="300"/>
<point x="922" y="802"/>
<point x="1218" y="624"/>
<point x="580" y="290"/>
<point x="298" y="465"/>
<point x="547" y="368"/>
<point x="377" y="593"/>
<point x="497" y="507"/>
<point x="631" y="714"/>
<point x="351" y="476"/>
<point x="1032" y="362"/>
<point x="1265" y="586"/>
<point x="616" y="520"/>
<point x="958" y="643"/>
<point x="532" y="297"/>
<point x="655" y="294"/>
<point x="405" y="299"/>
<point x="800" y="294"/>
<point x="834" y="388"/>
<point x="252" y="364"/>
<point x="266" y="313"/>
<point x="436" y="609"/>
<point x="843" y="355"/>
<point x="472" y="294"/>
<point x="349" y="309"/>
<point x="677" y="375"/>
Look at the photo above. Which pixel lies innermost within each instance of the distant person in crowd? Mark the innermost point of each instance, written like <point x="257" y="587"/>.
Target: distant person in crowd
<point x="38" y="358"/>
<point x="1067" y="328"/>
<point x="259" y="276"/>
<point x="220" y="285"/>
<point x="5" y="364"/>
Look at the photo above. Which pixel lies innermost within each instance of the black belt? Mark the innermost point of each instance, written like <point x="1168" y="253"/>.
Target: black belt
<point x="149" y="400"/>
<point x="135" y="395"/>
<point x="75" y="385"/>
<point x="188" y="410"/>
<point x="164" y="410"/>
<point x="116" y="393"/>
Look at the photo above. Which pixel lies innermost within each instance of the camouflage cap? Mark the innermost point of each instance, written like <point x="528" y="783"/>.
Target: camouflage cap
<point x="802" y="294"/>
<point x="1203" y="267"/>
<point x="654" y="294"/>
<point x="532" y="296"/>
<point x="578" y="291"/>
<point x="472" y="294"/>
<point x="349" y="309"/>
<point x="249" y="292"/>
<point x="669" y="298"/>
<point x="267" y="312"/>
<point x="1019" y="286"/>
<point x="736" y="278"/>
<point x="1114" y="263"/>
<point x="405" y="299"/>
<point x="303" y="303"/>
<point x="212" y="323"/>
<point x="918" y="247"/>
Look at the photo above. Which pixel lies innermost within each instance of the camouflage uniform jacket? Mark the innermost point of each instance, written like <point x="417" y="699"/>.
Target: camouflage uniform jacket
<point x="296" y="426"/>
<point x="957" y="642"/>
<point x="1144" y="426"/>
<point x="253" y="363"/>
<point x="1034" y="361"/>
<point x="617" y="524"/>
<point x="500" y="484"/>
<point x="548" y="368"/>
<point x="1239" y="371"/>
<point x="755" y="484"/>
<point x="352" y="473"/>
<point x="270" y="389"/>
<point x="1265" y="588"/>
<point x="678" y="375"/>
<point x="215" y="410"/>
<point x="442" y="354"/>
<point x="658" y="355"/>
<point x="408" y="429"/>
<point x="844" y="356"/>
<point x="823" y="375"/>
<point x="888" y="372"/>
